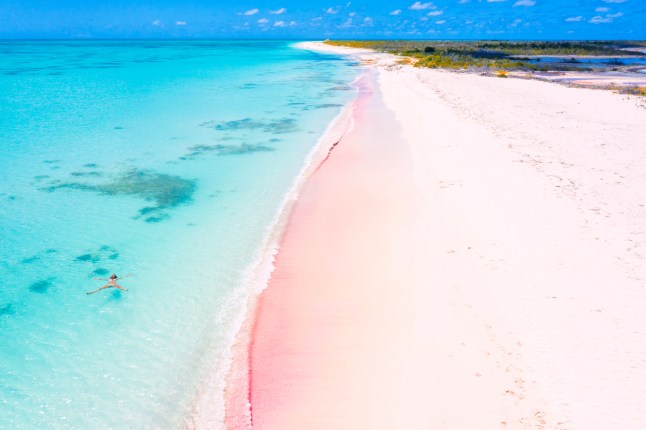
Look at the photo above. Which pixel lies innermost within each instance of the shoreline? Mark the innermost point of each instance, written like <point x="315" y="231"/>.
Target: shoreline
<point x="237" y="407"/>
<point x="286" y="312"/>
<point x="255" y="280"/>
<point x="462" y="267"/>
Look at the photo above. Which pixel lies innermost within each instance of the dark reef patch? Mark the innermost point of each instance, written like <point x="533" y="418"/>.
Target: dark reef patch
<point x="146" y="211"/>
<point x="165" y="191"/>
<point x="103" y="253"/>
<point x="41" y="286"/>
<point x="277" y="126"/>
<point x="156" y="219"/>
<point x="90" y="165"/>
<point x="115" y="295"/>
<point x="327" y="105"/>
<point x="81" y="174"/>
<point x="7" y="310"/>
<point x="240" y="124"/>
<point x="242" y="149"/>
<point x="100" y="272"/>
<point x="89" y="258"/>
<point x="109" y="252"/>
<point x="322" y="106"/>
<point x="30" y="260"/>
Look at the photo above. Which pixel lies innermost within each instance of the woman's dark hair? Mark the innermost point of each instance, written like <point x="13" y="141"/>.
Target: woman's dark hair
<point x="113" y="276"/>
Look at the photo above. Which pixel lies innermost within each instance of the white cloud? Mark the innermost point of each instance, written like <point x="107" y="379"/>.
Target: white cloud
<point x="180" y="23"/>
<point x="495" y="1"/>
<point x="605" y="20"/>
<point x="279" y="24"/>
<point x="352" y="14"/>
<point x="614" y="1"/>
<point x="524" y="3"/>
<point x="574" y="19"/>
<point x="463" y="1"/>
<point x="293" y="23"/>
<point x="331" y="11"/>
<point x="599" y="20"/>
<point x="435" y="13"/>
<point x="156" y="23"/>
<point x="368" y="21"/>
<point x="396" y="12"/>
<point x="440" y="22"/>
<point x="251" y="12"/>
<point x="602" y="9"/>
<point x="263" y="21"/>
<point x="421" y="6"/>
<point x="278" y="11"/>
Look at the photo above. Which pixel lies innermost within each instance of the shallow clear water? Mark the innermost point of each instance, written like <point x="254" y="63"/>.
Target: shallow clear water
<point x="167" y="160"/>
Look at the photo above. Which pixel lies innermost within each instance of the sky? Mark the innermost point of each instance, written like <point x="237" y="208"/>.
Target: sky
<point x="320" y="19"/>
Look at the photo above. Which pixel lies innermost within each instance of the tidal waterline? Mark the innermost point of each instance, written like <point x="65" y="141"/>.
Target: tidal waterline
<point x="166" y="159"/>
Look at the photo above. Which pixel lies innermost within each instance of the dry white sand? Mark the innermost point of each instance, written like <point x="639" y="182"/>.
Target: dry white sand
<point x="527" y="287"/>
<point x="535" y="215"/>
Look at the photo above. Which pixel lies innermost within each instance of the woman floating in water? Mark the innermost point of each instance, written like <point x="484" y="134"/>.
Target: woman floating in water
<point x="112" y="283"/>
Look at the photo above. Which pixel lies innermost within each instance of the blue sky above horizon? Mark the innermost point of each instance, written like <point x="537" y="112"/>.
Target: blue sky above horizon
<point x="440" y="19"/>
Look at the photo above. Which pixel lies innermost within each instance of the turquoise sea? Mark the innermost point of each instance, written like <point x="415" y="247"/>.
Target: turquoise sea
<point x="168" y="160"/>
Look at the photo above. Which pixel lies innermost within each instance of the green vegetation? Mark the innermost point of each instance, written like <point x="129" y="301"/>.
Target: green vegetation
<point x="634" y="90"/>
<point x="501" y="55"/>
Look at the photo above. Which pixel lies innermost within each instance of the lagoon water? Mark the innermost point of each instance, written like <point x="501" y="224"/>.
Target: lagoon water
<point x="587" y="62"/>
<point x="168" y="160"/>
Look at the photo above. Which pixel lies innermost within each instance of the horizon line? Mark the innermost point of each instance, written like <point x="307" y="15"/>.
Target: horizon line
<point x="98" y="39"/>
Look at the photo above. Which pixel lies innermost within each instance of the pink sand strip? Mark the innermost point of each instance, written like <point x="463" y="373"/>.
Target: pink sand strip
<point x="318" y="355"/>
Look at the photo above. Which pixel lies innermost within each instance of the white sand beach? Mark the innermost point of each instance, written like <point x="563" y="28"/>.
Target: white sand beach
<point x="471" y="256"/>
